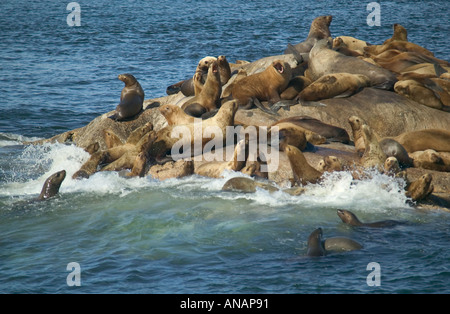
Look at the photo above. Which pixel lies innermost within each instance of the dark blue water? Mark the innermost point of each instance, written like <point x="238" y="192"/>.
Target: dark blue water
<point x="185" y="236"/>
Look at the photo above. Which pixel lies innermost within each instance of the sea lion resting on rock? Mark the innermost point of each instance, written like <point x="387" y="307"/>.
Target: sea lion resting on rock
<point x="319" y="247"/>
<point x="431" y="160"/>
<point x="175" y="115"/>
<point x="335" y="85"/>
<point x="329" y="132"/>
<point x="131" y="98"/>
<point x="356" y="124"/>
<point x="323" y="60"/>
<point x="263" y="86"/>
<point x="392" y="148"/>
<point x="215" y="169"/>
<point x="51" y="185"/>
<point x="421" y="188"/>
<point x="167" y="137"/>
<point x="320" y="29"/>
<point x="330" y="164"/>
<point x="350" y="218"/>
<point x="420" y="140"/>
<point x="400" y="34"/>
<point x="436" y="98"/>
<point x="373" y="155"/>
<point x="208" y="98"/>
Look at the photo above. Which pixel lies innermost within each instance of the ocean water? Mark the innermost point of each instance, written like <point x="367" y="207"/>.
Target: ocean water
<point x="141" y="235"/>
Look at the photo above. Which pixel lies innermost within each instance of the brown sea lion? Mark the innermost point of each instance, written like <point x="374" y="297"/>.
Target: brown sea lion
<point x="374" y="155"/>
<point x="295" y="86"/>
<point x="264" y="86"/>
<point x="335" y="85"/>
<point x="421" y="188"/>
<point x="247" y="185"/>
<point x="323" y="61"/>
<point x="351" y="43"/>
<point x="209" y="96"/>
<point x="431" y="160"/>
<point x="51" y="185"/>
<point x="224" y="69"/>
<point x="330" y="164"/>
<point x="356" y="124"/>
<point x="175" y="115"/>
<point x="139" y="166"/>
<point x="131" y="98"/>
<point x="341" y="47"/>
<point x="320" y="28"/>
<point x="391" y="166"/>
<point x="303" y="172"/>
<point x="404" y="60"/>
<point x="329" y="132"/>
<point x="416" y="91"/>
<point x="350" y="218"/>
<point x="215" y="169"/>
<point x="165" y="139"/>
<point x="397" y="45"/>
<point x="436" y="139"/>
<point x="400" y="34"/>
<point x="341" y="244"/>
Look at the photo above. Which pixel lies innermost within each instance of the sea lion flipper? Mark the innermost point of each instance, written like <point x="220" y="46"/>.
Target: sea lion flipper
<point x="291" y="49"/>
<point x="286" y="104"/>
<point x="439" y="70"/>
<point x="264" y="109"/>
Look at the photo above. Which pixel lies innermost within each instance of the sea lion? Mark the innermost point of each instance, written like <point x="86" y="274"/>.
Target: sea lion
<point x="295" y="86"/>
<point x="320" y="28"/>
<point x="400" y="34"/>
<point x="264" y="86"/>
<point x="51" y="185"/>
<point x="187" y="87"/>
<point x="392" y="148"/>
<point x="290" y="134"/>
<point x="131" y="98"/>
<point x="374" y="155"/>
<point x="215" y="169"/>
<point x="404" y="60"/>
<point x="341" y="244"/>
<point x="341" y="47"/>
<point x="224" y="69"/>
<point x="350" y="218"/>
<point x="431" y="160"/>
<point x="329" y="132"/>
<point x="315" y="243"/>
<point x="317" y="246"/>
<point x="139" y="166"/>
<point x="351" y="43"/>
<point x="323" y="60"/>
<point x="246" y="185"/>
<point x="209" y="96"/>
<point x="420" y="140"/>
<point x="421" y="188"/>
<point x="303" y="172"/>
<point x="335" y="85"/>
<point x="356" y="124"/>
<point x="404" y="46"/>
<point x="391" y="166"/>
<point x="329" y="164"/>
<point x="430" y="97"/>
<point x="165" y="138"/>
<point x="175" y="115"/>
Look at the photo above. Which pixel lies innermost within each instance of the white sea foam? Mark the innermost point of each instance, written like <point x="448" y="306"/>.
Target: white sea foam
<point x="9" y="139"/>
<point x="338" y="189"/>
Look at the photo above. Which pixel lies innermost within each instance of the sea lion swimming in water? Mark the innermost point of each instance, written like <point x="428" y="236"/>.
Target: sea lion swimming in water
<point x="319" y="247"/>
<point x="350" y="218"/>
<point x="51" y="185"/>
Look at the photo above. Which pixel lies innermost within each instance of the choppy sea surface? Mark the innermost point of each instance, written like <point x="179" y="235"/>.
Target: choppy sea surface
<point x="141" y="235"/>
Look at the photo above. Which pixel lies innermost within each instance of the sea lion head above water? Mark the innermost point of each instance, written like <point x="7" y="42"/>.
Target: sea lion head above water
<point x="315" y="245"/>
<point x="52" y="185"/>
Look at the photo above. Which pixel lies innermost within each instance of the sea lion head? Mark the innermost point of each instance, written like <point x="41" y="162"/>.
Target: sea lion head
<point x="204" y="63"/>
<point x="355" y="122"/>
<point x="330" y="163"/>
<point x="52" y="185"/>
<point x="283" y="68"/>
<point x="400" y="33"/>
<point x="128" y="79"/>
<point x="348" y="217"/>
<point x="391" y="165"/>
<point x="315" y="245"/>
